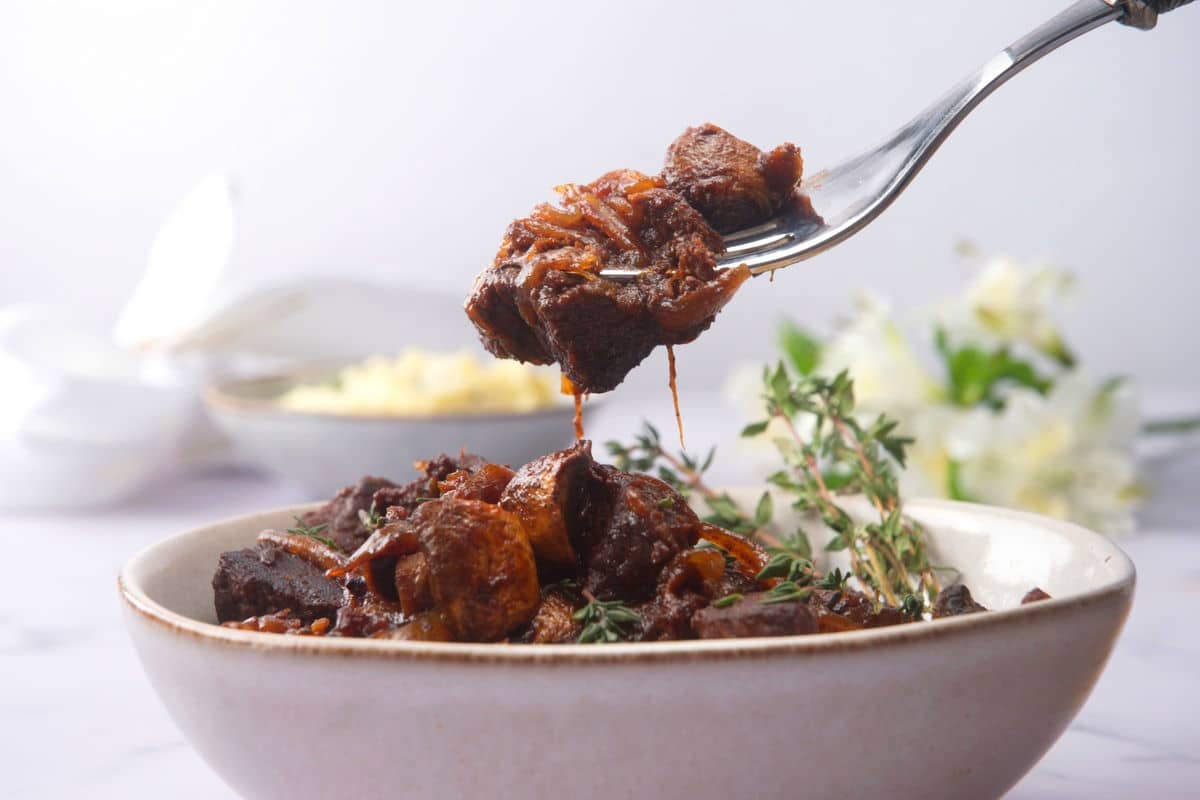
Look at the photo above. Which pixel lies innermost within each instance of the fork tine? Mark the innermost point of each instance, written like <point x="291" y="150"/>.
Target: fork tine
<point x="734" y="239"/>
<point x="759" y="244"/>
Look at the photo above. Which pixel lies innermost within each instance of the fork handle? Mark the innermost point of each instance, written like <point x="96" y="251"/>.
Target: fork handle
<point x="1144" y="13"/>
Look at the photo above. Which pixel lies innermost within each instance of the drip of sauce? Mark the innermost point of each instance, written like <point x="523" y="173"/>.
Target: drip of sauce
<point x="674" y="392"/>
<point x="567" y="387"/>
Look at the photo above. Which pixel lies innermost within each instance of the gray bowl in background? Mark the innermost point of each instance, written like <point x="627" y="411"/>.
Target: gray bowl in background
<point x="324" y="452"/>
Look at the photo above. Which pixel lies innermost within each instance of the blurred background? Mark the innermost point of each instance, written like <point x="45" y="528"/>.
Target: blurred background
<point x="231" y="146"/>
<point x="394" y="141"/>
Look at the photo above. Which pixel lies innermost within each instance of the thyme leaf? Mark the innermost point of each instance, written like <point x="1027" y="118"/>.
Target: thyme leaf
<point x="605" y="621"/>
<point x="312" y="532"/>
<point x="371" y="519"/>
<point x="787" y="592"/>
<point x="727" y="600"/>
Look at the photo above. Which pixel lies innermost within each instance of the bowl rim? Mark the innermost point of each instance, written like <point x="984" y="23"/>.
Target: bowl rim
<point x="1121" y="585"/>
<point x="222" y="397"/>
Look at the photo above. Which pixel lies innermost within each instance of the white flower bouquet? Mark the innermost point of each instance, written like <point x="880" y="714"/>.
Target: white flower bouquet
<point x="1000" y="412"/>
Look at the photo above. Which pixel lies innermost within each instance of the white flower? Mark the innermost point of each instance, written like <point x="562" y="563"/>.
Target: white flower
<point x="1009" y="303"/>
<point x="743" y="389"/>
<point x="1067" y="454"/>
<point x="886" y="371"/>
<point x="928" y="466"/>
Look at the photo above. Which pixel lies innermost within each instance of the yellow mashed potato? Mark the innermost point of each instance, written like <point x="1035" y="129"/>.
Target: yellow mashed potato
<point x="422" y="383"/>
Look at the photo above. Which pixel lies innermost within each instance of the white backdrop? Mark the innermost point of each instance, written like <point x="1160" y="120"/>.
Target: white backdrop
<point x="394" y="141"/>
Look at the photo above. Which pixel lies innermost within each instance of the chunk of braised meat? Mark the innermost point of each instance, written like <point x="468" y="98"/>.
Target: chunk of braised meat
<point x="750" y="616"/>
<point x="668" y="617"/>
<point x="730" y="181"/>
<point x="847" y="609"/>
<point x="354" y="514"/>
<point x="411" y="578"/>
<point x="1034" y="595"/>
<point x="487" y="483"/>
<point x="600" y="330"/>
<point x="554" y="621"/>
<point x="482" y="574"/>
<point x="955" y="600"/>
<point x="435" y="471"/>
<point x="493" y="309"/>
<point x="551" y="496"/>
<point x="687" y="584"/>
<point x="639" y="526"/>
<point x="364" y="613"/>
<point x="341" y="514"/>
<point x="542" y="300"/>
<point x="262" y="580"/>
<point x="734" y="581"/>
<point x="440" y="468"/>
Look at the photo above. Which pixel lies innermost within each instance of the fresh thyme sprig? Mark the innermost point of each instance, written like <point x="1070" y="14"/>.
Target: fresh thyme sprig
<point x="790" y="560"/>
<point x="839" y="456"/>
<point x="312" y="532"/>
<point x="834" y="579"/>
<point x="604" y="621"/>
<point x="787" y="592"/>
<point x="685" y="474"/>
<point x="371" y="519"/>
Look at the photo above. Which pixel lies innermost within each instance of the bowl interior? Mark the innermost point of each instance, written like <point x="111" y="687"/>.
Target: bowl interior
<point x="1000" y="554"/>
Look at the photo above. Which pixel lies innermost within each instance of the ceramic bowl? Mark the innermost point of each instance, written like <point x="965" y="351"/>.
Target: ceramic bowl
<point x="322" y="452"/>
<point x="956" y="708"/>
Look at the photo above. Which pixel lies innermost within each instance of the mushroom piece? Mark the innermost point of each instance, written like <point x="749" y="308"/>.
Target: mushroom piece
<point x="549" y="495"/>
<point x="482" y="576"/>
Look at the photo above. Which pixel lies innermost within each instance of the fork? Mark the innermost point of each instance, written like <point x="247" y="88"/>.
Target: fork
<point x="852" y="194"/>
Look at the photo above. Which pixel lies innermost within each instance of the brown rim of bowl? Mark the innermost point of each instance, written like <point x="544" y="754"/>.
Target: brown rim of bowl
<point x="220" y="396"/>
<point x="1118" y="589"/>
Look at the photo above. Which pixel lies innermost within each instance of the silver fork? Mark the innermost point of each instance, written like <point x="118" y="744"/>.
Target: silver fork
<point x="852" y="194"/>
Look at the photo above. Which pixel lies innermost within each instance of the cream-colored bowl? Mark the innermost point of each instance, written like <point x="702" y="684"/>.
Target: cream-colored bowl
<point x="319" y="451"/>
<point x="957" y="708"/>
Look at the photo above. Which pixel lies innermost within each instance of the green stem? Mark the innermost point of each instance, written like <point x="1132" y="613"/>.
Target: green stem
<point x="1173" y="425"/>
<point x="954" y="487"/>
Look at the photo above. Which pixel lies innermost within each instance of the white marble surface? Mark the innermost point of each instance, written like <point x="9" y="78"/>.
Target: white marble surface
<point x="77" y="718"/>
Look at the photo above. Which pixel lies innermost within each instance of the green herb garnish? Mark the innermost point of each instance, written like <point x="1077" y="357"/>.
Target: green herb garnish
<point x="886" y="556"/>
<point x="727" y="600"/>
<point x="604" y="621"/>
<point x="787" y="592"/>
<point x="312" y="532"/>
<point x="371" y="519"/>
<point x="834" y="579"/>
<point x="912" y="606"/>
<point x="791" y="560"/>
